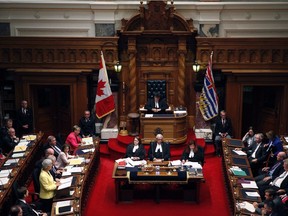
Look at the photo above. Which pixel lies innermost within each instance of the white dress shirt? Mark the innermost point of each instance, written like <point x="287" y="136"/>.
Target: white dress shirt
<point x="254" y="153"/>
<point x="158" y="147"/>
<point x="191" y="155"/>
<point x="278" y="181"/>
<point x="135" y="147"/>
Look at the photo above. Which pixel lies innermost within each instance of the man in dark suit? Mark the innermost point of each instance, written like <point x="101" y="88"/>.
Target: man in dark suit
<point x="156" y="104"/>
<point x="223" y="128"/>
<point x="280" y="184"/>
<point x="24" y="118"/>
<point x="5" y="128"/>
<point x="270" y="173"/>
<point x="87" y="125"/>
<point x="9" y="141"/>
<point x="159" y="150"/>
<point x="256" y="154"/>
<point x="52" y="143"/>
<point x="26" y="208"/>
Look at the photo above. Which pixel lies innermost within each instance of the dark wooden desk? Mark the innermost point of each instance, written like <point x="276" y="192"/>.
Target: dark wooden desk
<point x="174" y="127"/>
<point x="236" y="192"/>
<point x="20" y="172"/>
<point x="149" y="175"/>
<point x="84" y="181"/>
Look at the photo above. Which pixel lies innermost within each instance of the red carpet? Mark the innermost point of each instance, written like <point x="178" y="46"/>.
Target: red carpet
<point x="213" y="199"/>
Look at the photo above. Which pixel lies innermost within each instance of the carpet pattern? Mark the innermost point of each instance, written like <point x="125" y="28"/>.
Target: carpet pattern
<point x="213" y="199"/>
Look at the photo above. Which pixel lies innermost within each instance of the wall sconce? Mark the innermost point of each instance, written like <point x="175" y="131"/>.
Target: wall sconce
<point x="118" y="67"/>
<point x="196" y="67"/>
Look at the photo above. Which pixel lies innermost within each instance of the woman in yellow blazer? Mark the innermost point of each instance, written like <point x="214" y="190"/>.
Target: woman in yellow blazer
<point x="47" y="186"/>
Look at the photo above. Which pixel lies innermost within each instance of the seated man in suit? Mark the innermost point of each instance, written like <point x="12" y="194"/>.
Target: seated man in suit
<point x="223" y="129"/>
<point x="280" y="184"/>
<point x="159" y="150"/>
<point x="52" y="143"/>
<point x="156" y="105"/>
<point x="5" y="128"/>
<point x="26" y="208"/>
<point x="9" y="141"/>
<point x="256" y="154"/>
<point x="270" y="173"/>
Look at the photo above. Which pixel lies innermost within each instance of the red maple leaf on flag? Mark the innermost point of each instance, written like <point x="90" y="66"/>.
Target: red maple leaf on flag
<point x="101" y="85"/>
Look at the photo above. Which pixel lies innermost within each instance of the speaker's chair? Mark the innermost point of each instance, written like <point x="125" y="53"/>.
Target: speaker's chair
<point x="156" y="86"/>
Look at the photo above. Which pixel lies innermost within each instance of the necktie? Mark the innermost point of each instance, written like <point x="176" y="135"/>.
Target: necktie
<point x="254" y="153"/>
<point x="274" y="168"/>
<point x="191" y="155"/>
<point x="57" y="149"/>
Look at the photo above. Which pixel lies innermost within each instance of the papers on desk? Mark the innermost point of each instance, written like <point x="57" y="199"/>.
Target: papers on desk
<point x="286" y="138"/>
<point x="4" y="180"/>
<point x="88" y="150"/>
<point x="20" y="148"/>
<point x="63" y="207"/>
<point x="132" y="163"/>
<point x="148" y="115"/>
<point x="239" y="152"/>
<point x="195" y="165"/>
<point x="5" y="173"/>
<point x="180" y="112"/>
<point x="285" y="146"/>
<point x="65" y="183"/>
<point x="23" y="142"/>
<point x="128" y="162"/>
<point x="18" y="155"/>
<point x="76" y="170"/>
<point x="237" y="171"/>
<point x="76" y="161"/>
<point x="252" y="194"/>
<point x="11" y="161"/>
<point x="87" y="140"/>
<point x="30" y="137"/>
<point x="246" y="205"/>
<point x="176" y="163"/>
<point x="250" y="184"/>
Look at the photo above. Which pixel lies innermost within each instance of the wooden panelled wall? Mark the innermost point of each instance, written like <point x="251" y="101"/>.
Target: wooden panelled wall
<point x="244" y="61"/>
<point x="248" y="61"/>
<point x="56" y="61"/>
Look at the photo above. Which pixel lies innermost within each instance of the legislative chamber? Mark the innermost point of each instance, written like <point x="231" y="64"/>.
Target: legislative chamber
<point x="90" y="73"/>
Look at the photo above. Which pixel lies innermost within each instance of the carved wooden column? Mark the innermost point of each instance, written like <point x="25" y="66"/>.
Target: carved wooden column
<point x="132" y="75"/>
<point x="181" y="74"/>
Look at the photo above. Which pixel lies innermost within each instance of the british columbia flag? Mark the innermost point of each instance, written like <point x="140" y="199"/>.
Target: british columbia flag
<point x="208" y="101"/>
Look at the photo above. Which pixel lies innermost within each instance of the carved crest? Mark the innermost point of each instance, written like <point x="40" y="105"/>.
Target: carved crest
<point x="157" y="16"/>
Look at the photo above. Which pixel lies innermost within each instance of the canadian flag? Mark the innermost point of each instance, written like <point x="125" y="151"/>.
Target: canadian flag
<point x="104" y="99"/>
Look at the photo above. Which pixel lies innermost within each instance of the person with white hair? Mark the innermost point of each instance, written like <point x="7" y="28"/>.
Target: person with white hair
<point x="47" y="185"/>
<point x="159" y="150"/>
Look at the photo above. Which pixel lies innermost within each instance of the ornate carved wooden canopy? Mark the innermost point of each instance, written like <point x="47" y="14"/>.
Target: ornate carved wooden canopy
<point x="157" y="16"/>
<point x="157" y="44"/>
